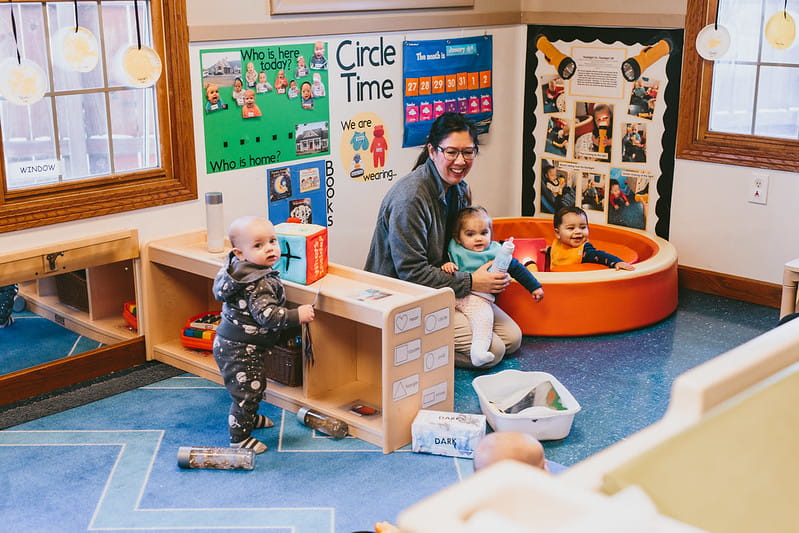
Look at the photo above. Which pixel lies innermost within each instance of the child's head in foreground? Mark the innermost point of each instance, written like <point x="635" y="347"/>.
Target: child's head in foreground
<point x="473" y="228"/>
<point x="254" y="240"/>
<point x="571" y="226"/>
<point x="501" y="445"/>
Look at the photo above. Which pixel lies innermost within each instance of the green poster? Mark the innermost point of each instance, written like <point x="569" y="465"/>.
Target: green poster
<point x="264" y="105"/>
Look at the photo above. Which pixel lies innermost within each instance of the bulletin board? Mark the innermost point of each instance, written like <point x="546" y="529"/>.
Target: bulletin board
<point x="601" y="108"/>
<point x="446" y="75"/>
<point x="287" y="116"/>
<point x="298" y="191"/>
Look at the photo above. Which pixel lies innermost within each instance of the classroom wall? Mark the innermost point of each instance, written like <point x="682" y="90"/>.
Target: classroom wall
<point x="712" y="225"/>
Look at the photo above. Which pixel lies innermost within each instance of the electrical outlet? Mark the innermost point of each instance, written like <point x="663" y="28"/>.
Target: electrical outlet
<point x="758" y="192"/>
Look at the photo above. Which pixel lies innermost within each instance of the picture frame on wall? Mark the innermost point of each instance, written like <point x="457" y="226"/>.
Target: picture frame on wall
<point x="297" y="7"/>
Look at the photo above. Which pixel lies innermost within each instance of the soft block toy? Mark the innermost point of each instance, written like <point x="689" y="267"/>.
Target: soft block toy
<point x="303" y="249"/>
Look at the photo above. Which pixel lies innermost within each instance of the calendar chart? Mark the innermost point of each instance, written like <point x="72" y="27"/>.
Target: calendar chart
<point x="447" y="75"/>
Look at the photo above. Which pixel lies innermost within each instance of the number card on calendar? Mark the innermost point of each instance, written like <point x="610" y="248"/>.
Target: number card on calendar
<point x="446" y="75"/>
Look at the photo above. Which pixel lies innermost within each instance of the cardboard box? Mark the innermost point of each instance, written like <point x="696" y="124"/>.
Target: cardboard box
<point x="444" y="433"/>
<point x="303" y="249"/>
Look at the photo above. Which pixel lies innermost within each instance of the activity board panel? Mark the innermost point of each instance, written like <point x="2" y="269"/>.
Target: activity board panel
<point x="264" y="104"/>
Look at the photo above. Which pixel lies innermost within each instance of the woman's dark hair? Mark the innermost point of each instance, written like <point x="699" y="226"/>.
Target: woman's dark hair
<point x="441" y="128"/>
<point x="563" y="211"/>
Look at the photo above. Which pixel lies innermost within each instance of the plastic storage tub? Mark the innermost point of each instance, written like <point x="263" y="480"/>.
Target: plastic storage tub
<point x="542" y="423"/>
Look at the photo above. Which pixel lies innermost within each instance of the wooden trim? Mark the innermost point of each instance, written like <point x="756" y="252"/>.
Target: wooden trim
<point x="350" y="25"/>
<point x="71" y="370"/>
<point x="694" y="140"/>
<point x="177" y="182"/>
<point x="294" y="7"/>
<point x="728" y="286"/>
<point x="620" y="20"/>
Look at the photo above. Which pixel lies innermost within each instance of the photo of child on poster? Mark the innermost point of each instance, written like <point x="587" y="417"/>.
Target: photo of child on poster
<point x="643" y="98"/>
<point x="593" y="131"/>
<point x="553" y="94"/>
<point x="558" y="136"/>
<point x="592" y="191"/>
<point x="557" y="187"/>
<point x="628" y="198"/>
<point x="633" y="144"/>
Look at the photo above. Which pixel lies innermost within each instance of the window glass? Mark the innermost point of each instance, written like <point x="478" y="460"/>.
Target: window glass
<point x="778" y="110"/>
<point x="61" y="18"/>
<point x="85" y="107"/>
<point x="752" y="84"/>
<point x="733" y="94"/>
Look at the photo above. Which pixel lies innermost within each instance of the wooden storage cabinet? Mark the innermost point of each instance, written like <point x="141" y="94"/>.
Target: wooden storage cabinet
<point x="395" y="353"/>
<point x="109" y="262"/>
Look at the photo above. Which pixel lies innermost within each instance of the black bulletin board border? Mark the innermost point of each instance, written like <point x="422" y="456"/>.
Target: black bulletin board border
<point x="628" y="36"/>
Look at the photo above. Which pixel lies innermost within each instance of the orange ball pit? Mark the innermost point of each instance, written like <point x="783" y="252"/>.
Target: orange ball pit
<point x="592" y="299"/>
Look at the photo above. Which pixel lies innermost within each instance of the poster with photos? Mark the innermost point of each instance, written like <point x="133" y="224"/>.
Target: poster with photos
<point x="601" y="109"/>
<point x="298" y="192"/>
<point x="264" y="105"/>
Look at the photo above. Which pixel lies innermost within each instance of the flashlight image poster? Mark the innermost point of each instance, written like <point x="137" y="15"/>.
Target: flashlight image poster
<point x="601" y="112"/>
<point x="264" y="105"/>
<point x="442" y="76"/>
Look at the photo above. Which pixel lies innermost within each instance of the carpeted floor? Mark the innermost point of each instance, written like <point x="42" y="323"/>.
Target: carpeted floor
<point x="111" y="464"/>
<point x="32" y="340"/>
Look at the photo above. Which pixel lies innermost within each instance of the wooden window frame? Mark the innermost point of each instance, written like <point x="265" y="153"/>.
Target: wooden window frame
<point x="694" y="140"/>
<point x="174" y="181"/>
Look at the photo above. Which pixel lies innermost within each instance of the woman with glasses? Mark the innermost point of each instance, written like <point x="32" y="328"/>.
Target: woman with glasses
<point x="416" y="221"/>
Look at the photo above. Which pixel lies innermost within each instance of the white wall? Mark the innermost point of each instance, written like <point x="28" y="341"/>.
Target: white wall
<point x="714" y="227"/>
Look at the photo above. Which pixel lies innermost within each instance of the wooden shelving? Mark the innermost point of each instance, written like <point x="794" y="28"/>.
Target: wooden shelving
<point x="395" y="352"/>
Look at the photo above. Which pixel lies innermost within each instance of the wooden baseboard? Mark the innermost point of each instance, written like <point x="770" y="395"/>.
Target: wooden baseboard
<point x="737" y="288"/>
<point x="71" y="370"/>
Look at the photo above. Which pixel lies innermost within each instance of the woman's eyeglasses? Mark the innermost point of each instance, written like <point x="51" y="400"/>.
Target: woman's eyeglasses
<point x="451" y="154"/>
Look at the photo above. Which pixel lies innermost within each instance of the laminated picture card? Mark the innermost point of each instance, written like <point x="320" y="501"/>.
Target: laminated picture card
<point x="444" y="433"/>
<point x="303" y="252"/>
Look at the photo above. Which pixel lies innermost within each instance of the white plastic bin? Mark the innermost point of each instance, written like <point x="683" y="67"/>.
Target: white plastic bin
<point x="540" y="422"/>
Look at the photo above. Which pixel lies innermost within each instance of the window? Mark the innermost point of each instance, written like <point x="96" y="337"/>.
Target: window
<point x="741" y="109"/>
<point x="113" y="148"/>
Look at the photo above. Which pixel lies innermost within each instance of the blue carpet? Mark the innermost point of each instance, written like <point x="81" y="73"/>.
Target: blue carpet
<point x="112" y="464"/>
<point x="32" y="340"/>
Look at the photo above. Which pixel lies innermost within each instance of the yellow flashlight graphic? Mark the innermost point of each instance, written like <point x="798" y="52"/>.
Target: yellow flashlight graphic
<point x="632" y="68"/>
<point x="565" y="65"/>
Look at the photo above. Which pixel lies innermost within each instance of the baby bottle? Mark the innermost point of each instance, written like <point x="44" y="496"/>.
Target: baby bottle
<point x="504" y="256"/>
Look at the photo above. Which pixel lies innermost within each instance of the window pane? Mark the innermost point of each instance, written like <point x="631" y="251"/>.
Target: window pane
<point x="743" y="20"/>
<point x="83" y="133"/>
<point x="133" y="121"/>
<point x="770" y="54"/>
<point x="119" y="32"/>
<point x="733" y="97"/>
<point x="62" y="18"/>
<point x="27" y="138"/>
<point x="777" y="104"/>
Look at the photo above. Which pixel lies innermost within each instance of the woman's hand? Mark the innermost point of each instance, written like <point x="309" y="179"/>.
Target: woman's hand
<point x="491" y="282"/>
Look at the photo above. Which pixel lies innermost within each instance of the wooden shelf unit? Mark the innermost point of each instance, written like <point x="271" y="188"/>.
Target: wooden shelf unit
<point x="109" y="260"/>
<point x="395" y="353"/>
<point x="108" y="288"/>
